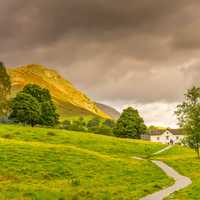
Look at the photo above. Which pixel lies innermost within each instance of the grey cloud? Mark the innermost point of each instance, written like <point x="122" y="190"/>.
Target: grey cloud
<point x="112" y="49"/>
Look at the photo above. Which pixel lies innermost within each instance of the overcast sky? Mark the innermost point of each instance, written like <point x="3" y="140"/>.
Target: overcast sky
<point x="144" y="53"/>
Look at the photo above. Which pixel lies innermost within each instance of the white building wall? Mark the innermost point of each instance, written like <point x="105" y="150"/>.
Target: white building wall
<point x="166" y="137"/>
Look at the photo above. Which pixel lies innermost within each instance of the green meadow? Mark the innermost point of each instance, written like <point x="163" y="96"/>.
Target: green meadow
<point x="50" y="164"/>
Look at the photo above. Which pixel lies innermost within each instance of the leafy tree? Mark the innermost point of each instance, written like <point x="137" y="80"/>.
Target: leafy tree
<point x="5" y="87"/>
<point x="41" y="94"/>
<point x="188" y="114"/>
<point x="79" y="125"/>
<point x="42" y="103"/>
<point x="130" y="124"/>
<point x="25" y="109"/>
<point x="93" y="124"/>
<point x="48" y="115"/>
<point x="109" y="123"/>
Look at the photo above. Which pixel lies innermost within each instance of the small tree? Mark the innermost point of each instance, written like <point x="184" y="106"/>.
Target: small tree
<point x="67" y="124"/>
<point x="188" y="114"/>
<point x="79" y="125"/>
<point x="25" y="109"/>
<point x="109" y="123"/>
<point x="5" y="87"/>
<point x="130" y="124"/>
<point x="93" y="124"/>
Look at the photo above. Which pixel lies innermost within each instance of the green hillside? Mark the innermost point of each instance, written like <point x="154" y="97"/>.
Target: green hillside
<point x="50" y="164"/>
<point x="69" y="100"/>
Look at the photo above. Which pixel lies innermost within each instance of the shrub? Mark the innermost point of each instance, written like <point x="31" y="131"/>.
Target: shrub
<point x="67" y="124"/>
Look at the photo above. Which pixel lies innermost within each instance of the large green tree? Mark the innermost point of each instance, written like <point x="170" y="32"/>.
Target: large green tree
<point x="188" y="114"/>
<point x="48" y="116"/>
<point x="25" y="109"/>
<point x="5" y="87"/>
<point x="42" y="105"/>
<point x="130" y="124"/>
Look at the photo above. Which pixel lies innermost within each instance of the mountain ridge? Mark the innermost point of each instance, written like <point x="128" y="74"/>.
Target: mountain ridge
<point x="109" y="110"/>
<point x="69" y="100"/>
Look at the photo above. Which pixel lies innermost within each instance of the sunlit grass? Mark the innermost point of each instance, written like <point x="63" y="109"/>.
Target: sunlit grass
<point x="50" y="164"/>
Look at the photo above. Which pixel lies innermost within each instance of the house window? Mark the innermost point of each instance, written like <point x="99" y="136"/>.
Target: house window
<point x="158" y="138"/>
<point x="177" y="137"/>
<point x="167" y="137"/>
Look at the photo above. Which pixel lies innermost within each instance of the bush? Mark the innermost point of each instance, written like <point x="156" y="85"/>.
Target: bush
<point x="5" y="120"/>
<point x="109" y="123"/>
<point x="104" y="130"/>
<point x="66" y="124"/>
<point x="93" y="124"/>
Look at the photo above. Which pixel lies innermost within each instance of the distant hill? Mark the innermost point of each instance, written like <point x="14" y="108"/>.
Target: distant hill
<point x="69" y="100"/>
<point x="109" y="110"/>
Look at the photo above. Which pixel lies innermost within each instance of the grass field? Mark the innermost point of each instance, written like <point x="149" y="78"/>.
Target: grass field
<point x="49" y="164"/>
<point x="184" y="161"/>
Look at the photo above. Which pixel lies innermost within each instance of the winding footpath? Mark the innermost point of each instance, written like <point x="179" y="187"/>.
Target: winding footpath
<point x="180" y="181"/>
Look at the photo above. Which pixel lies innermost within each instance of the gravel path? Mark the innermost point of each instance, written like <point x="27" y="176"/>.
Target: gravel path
<point x="162" y="150"/>
<point x="180" y="181"/>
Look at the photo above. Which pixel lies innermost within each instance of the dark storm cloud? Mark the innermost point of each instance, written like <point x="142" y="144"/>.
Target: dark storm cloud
<point x="141" y="50"/>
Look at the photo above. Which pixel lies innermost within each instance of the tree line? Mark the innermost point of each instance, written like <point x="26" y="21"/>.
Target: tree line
<point x="129" y="125"/>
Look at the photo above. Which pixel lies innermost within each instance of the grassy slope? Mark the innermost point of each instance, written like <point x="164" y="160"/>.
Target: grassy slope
<point x="184" y="161"/>
<point x="68" y="99"/>
<point x="56" y="164"/>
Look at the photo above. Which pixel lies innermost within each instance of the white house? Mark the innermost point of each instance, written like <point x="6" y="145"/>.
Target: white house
<point x="169" y="136"/>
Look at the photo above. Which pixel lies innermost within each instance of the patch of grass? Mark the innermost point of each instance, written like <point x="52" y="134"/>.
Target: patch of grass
<point x="42" y="163"/>
<point x="50" y="133"/>
<point x="7" y="135"/>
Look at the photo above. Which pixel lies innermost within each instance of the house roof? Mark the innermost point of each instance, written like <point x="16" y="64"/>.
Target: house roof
<point x="173" y="131"/>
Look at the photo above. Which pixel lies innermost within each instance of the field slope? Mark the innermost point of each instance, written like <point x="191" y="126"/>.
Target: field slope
<point x="39" y="163"/>
<point x="69" y="100"/>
